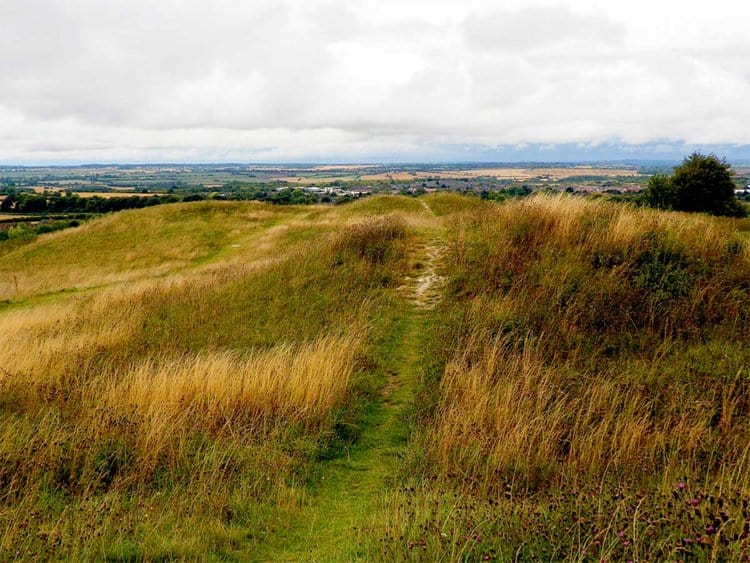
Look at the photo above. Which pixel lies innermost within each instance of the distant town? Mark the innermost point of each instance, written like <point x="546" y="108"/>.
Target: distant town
<point x="26" y="192"/>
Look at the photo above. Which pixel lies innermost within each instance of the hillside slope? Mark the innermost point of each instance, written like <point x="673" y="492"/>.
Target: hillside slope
<point x="397" y="378"/>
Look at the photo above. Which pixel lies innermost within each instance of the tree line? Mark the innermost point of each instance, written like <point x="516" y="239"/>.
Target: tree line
<point x="20" y="201"/>
<point x="31" y="202"/>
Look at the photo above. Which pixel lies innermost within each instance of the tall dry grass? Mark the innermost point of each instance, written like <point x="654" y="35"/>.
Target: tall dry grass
<point x="603" y="278"/>
<point x="293" y="384"/>
<point x="122" y="427"/>
<point x="205" y="395"/>
<point x="594" y="396"/>
<point x="508" y="419"/>
<point x="597" y="340"/>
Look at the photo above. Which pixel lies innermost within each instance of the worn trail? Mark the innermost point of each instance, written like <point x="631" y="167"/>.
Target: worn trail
<point x="328" y="527"/>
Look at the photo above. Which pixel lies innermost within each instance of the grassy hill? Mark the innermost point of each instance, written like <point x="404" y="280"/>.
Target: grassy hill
<point x="397" y="378"/>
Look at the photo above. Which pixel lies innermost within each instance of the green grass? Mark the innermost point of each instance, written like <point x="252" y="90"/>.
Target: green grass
<point x="532" y="379"/>
<point x="330" y="526"/>
<point x="383" y="204"/>
<point x="112" y="249"/>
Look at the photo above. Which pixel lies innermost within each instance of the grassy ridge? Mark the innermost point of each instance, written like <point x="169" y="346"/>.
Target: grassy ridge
<point x="130" y="245"/>
<point x="595" y="396"/>
<point x="180" y="416"/>
<point x="174" y="383"/>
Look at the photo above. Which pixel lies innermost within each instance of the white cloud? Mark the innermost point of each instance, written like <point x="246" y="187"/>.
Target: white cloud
<point x="318" y="79"/>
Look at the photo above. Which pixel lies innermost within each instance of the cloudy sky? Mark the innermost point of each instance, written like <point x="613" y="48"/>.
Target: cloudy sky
<point x="356" y="80"/>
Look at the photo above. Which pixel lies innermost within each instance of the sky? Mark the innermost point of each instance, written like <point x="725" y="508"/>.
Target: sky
<point x="372" y="81"/>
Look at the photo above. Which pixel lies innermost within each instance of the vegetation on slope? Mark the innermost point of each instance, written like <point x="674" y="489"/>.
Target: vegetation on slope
<point x="174" y="415"/>
<point x="595" y="394"/>
<point x="235" y="380"/>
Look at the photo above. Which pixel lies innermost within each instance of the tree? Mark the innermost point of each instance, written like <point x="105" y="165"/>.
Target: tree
<point x="9" y="203"/>
<point x="704" y="183"/>
<point x="660" y="193"/>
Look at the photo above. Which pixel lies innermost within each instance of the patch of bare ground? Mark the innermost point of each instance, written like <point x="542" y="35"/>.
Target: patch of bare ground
<point x="424" y="284"/>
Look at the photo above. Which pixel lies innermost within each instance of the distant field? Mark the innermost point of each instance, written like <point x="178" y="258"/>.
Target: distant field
<point x="120" y="192"/>
<point x="313" y="180"/>
<point x="110" y="195"/>
<point x="506" y="173"/>
<point x="345" y="166"/>
<point x="498" y="173"/>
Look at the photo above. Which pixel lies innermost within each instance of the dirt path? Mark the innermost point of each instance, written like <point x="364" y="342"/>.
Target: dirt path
<point x="426" y="289"/>
<point x="424" y="285"/>
<point x="328" y="527"/>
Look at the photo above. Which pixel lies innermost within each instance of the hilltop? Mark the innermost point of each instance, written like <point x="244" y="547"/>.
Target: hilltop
<point x="398" y="378"/>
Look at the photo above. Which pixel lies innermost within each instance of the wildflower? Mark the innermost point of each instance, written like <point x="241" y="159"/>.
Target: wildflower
<point x="680" y="485"/>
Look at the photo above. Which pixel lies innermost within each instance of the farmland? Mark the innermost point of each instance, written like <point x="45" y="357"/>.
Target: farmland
<point x="396" y="378"/>
<point x="160" y="178"/>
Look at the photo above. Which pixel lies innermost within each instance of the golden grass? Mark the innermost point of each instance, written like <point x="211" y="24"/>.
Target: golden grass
<point x="221" y="389"/>
<point x="509" y="419"/>
<point x="578" y="353"/>
<point x="48" y="339"/>
<point x="249" y="396"/>
<point x="45" y="342"/>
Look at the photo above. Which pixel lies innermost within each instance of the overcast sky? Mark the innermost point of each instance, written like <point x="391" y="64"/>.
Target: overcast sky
<point x="354" y="80"/>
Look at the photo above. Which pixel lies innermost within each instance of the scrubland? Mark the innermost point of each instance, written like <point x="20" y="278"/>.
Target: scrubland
<point x="179" y="382"/>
